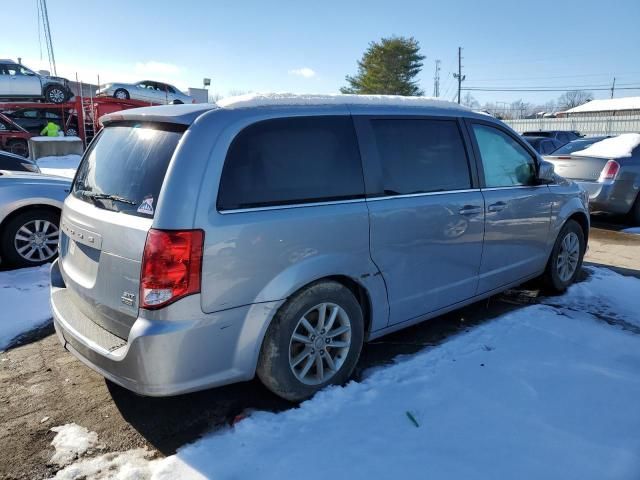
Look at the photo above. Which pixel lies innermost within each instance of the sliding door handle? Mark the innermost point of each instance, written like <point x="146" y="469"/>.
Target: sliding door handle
<point x="496" y="207"/>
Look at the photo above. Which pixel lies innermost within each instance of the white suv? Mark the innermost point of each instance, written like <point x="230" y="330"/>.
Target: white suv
<point x="19" y="82"/>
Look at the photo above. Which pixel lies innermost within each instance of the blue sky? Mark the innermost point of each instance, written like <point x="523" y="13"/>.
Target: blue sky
<point x="309" y="46"/>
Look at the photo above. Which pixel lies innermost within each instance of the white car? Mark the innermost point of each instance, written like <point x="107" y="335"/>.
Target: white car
<point x="19" y="82"/>
<point x="146" y="91"/>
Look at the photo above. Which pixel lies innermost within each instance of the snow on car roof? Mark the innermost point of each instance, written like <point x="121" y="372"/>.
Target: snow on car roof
<point x="615" y="147"/>
<point x="290" y="99"/>
<point x="608" y="104"/>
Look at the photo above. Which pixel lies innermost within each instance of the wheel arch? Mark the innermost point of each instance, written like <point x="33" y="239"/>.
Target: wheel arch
<point x="582" y="220"/>
<point x="25" y="208"/>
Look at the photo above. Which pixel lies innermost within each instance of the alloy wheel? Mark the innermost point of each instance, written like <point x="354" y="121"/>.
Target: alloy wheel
<point x="56" y="95"/>
<point x="37" y="240"/>
<point x="568" y="257"/>
<point x="320" y="344"/>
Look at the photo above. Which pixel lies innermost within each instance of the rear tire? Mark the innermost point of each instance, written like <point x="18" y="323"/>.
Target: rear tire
<point x="565" y="262"/>
<point x="289" y="344"/>
<point x="19" y="147"/>
<point x="121" y="94"/>
<point x="37" y="228"/>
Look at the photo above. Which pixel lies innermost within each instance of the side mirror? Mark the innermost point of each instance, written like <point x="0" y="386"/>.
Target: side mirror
<point x="546" y="172"/>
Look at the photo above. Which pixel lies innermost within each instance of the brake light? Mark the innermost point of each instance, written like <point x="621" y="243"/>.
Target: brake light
<point x="609" y="171"/>
<point x="171" y="266"/>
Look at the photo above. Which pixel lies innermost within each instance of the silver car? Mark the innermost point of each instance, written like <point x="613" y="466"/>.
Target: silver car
<point x="203" y="245"/>
<point x="17" y="82"/>
<point x="611" y="178"/>
<point x="30" y="206"/>
<point x="146" y="91"/>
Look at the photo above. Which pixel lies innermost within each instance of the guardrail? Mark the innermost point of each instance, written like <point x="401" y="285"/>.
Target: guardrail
<point x="589" y="126"/>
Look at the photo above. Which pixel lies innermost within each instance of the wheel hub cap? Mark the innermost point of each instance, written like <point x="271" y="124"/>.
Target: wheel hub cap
<point x="37" y="240"/>
<point x="320" y="343"/>
<point x="568" y="257"/>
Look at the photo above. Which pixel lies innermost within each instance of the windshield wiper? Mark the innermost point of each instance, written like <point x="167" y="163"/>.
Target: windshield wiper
<point x="105" y="196"/>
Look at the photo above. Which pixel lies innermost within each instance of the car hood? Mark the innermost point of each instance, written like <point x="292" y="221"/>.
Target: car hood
<point x="12" y="177"/>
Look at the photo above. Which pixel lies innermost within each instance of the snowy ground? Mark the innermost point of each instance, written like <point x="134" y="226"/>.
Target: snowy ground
<point x="24" y="300"/>
<point x="64" y="166"/>
<point x="635" y="230"/>
<point x="548" y="391"/>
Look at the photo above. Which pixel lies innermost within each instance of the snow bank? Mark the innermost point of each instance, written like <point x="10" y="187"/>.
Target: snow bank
<point x="64" y="166"/>
<point x="24" y="300"/>
<point x="71" y="441"/>
<point x="548" y="391"/>
<point x="615" y="147"/>
<point x="56" y="139"/>
<point x="275" y="99"/>
<point x="131" y="465"/>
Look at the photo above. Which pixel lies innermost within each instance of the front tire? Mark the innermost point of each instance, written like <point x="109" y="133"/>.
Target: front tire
<point x="566" y="257"/>
<point x="55" y="94"/>
<point x="314" y="340"/>
<point x="30" y="238"/>
<point x="121" y="94"/>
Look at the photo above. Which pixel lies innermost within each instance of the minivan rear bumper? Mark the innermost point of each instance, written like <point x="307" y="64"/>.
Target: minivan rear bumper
<point x="165" y="357"/>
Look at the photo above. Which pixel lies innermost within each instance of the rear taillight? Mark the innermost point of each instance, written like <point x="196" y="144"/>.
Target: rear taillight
<point x="171" y="266"/>
<point x="609" y="171"/>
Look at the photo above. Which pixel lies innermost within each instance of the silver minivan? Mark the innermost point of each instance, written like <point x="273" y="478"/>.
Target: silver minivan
<point x="273" y="235"/>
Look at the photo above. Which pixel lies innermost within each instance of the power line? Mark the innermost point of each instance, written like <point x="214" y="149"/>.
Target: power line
<point x="482" y="89"/>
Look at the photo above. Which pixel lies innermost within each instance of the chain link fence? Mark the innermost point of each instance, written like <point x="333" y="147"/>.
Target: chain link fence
<point x="589" y="126"/>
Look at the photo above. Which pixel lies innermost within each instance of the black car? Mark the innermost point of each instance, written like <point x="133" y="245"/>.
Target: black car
<point x="35" y="119"/>
<point x="563" y="136"/>
<point x="11" y="161"/>
<point x="543" y="145"/>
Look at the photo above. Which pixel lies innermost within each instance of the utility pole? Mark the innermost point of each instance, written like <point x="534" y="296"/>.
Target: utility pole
<point x="436" y="80"/>
<point x="459" y="75"/>
<point x="613" y="87"/>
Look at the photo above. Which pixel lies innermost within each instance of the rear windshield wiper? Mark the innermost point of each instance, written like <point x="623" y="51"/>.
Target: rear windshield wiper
<point x="105" y="196"/>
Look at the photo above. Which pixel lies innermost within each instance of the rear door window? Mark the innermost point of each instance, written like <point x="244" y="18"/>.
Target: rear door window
<point x="421" y="155"/>
<point x="506" y="163"/>
<point x="127" y="163"/>
<point x="290" y="161"/>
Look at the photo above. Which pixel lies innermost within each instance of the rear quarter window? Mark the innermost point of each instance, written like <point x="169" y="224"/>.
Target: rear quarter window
<point x="291" y="161"/>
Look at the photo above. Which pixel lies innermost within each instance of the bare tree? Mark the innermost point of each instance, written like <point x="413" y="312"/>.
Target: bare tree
<point x="574" y="98"/>
<point x="469" y="101"/>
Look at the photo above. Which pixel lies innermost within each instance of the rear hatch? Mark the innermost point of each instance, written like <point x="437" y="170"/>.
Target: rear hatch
<point x="578" y="167"/>
<point x="106" y="218"/>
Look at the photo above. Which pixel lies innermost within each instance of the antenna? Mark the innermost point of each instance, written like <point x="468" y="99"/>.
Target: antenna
<point x="436" y="80"/>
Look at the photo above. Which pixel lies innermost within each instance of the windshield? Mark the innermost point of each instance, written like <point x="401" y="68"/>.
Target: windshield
<point x="124" y="168"/>
<point x="576" y="145"/>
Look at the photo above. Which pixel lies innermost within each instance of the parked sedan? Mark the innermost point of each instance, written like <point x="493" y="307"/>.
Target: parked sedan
<point x="30" y="206"/>
<point x="543" y="145"/>
<point x="146" y="91"/>
<point x="609" y="170"/>
<point x="11" y="161"/>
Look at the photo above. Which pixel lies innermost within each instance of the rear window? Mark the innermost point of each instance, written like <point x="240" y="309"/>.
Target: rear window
<point x="127" y="163"/>
<point x="537" y="134"/>
<point x="292" y="160"/>
<point x="575" y="146"/>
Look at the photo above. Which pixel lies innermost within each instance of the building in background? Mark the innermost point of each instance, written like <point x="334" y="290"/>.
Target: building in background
<point x="609" y="107"/>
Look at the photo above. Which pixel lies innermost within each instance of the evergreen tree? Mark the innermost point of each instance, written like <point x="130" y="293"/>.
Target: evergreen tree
<point x="388" y="67"/>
